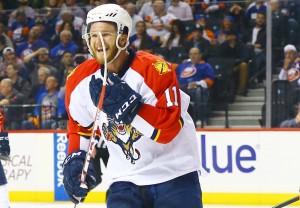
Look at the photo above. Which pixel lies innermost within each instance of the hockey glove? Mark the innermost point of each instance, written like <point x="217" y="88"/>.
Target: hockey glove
<point x="4" y="146"/>
<point x="95" y="88"/>
<point x="121" y="102"/>
<point x="72" y="168"/>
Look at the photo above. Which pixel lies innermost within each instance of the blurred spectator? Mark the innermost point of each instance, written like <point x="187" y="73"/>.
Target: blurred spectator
<point x="93" y="3"/>
<point x="10" y="5"/>
<point x="19" y="30"/>
<point x="122" y="3"/>
<point x="41" y="25"/>
<point x="253" y="9"/>
<point x="33" y="43"/>
<point x="20" y="84"/>
<point x="140" y="3"/>
<point x="198" y="41"/>
<point x="256" y="36"/>
<point x="62" y="90"/>
<point x="279" y="32"/>
<point x="290" y="8"/>
<point x="291" y="11"/>
<point x="3" y="14"/>
<point x="67" y="25"/>
<point x="36" y="4"/>
<point x="214" y="8"/>
<point x="68" y="16"/>
<point x="39" y="88"/>
<point x="130" y="8"/>
<point x="201" y="22"/>
<point x="10" y="96"/>
<point x="233" y="48"/>
<point x="279" y="25"/>
<point x="177" y="36"/>
<point x="23" y="5"/>
<point x="47" y="21"/>
<point x="63" y="65"/>
<point x="180" y="10"/>
<point x="291" y="66"/>
<point x="292" y="123"/>
<point x="237" y="12"/>
<point x="228" y="24"/>
<point x="79" y="58"/>
<point x="75" y="9"/>
<point x="159" y="22"/>
<point x="195" y="77"/>
<point x="2" y="46"/>
<point x="9" y="57"/>
<point x="140" y="40"/>
<point x="8" y="41"/>
<point x="52" y="108"/>
<point x="257" y="39"/>
<point x="146" y="9"/>
<point x="82" y="48"/>
<point x="65" y="44"/>
<point x="37" y="59"/>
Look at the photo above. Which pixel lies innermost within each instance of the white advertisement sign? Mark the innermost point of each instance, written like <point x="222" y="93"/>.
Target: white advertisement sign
<point x="250" y="163"/>
<point x="31" y="165"/>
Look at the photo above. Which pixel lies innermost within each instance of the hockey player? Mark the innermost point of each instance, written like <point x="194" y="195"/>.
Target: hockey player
<point x="153" y="152"/>
<point x="4" y="155"/>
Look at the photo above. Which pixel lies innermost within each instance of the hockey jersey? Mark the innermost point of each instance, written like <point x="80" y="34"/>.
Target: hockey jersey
<point x="292" y="74"/>
<point x="159" y="145"/>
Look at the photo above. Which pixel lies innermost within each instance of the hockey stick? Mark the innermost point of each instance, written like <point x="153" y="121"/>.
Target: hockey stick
<point x="93" y="140"/>
<point x="287" y="202"/>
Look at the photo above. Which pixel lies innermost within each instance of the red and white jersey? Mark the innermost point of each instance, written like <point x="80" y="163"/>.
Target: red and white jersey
<point x="159" y="145"/>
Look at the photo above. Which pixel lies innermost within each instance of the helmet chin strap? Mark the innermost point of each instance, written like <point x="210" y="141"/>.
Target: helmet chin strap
<point x="119" y="48"/>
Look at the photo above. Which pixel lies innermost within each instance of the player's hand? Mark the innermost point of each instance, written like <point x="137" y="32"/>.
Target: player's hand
<point x="4" y="146"/>
<point x="117" y="94"/>
<point x="95" y="87"/>
<point x="121" y="102"/>
<point x="72" y="168"/>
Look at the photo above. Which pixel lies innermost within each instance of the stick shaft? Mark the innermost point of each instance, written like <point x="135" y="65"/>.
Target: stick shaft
<point x="93" y="140"/>
<point x="287" y="202"/>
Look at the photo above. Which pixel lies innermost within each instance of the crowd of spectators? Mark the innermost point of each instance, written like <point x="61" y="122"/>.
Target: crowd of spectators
<point x="40" y="43"/>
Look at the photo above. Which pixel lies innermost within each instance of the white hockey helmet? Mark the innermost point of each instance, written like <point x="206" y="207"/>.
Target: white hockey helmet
<point x="109" y="13"/>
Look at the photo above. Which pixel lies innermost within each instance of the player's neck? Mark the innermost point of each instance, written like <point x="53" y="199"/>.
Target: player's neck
<point x="119" y="62"/>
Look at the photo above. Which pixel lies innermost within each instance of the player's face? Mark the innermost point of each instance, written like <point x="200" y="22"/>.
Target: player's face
<point x="109" y="34"/>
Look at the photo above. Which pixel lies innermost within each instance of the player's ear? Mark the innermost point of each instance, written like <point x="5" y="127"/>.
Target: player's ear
<point x="123" y="40"/>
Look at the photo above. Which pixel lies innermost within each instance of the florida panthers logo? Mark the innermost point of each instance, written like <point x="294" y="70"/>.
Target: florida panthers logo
<point x="113" y="133"/>
<point x="161" y="67"/>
